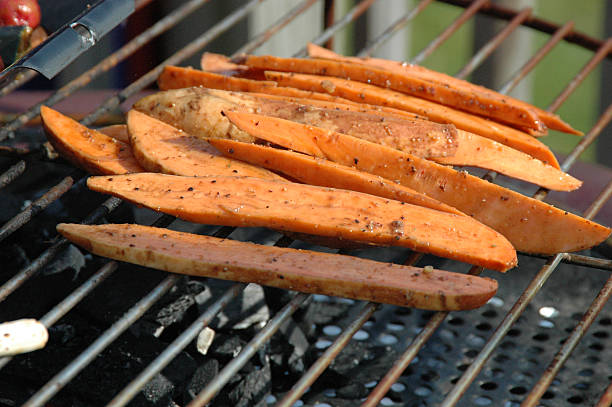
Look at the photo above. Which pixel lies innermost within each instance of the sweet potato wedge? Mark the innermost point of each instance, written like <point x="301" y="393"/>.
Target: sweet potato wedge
<point x="220" y="64"/>
<point x="469" y="101"/>
<point x="301" y="270"/>
<point x="88" y="149"/>
<point x="531" y="225"/>
<point x="325" y="173"/>
<point x="174" y="77"/>
<point x="116" y="131"/>
<point x="375" y="95"/>
<point x="349" y="215"/>
<point x="194" y="110"/>
<point x="508" y="161"/>
<point x="551" y="120"/>
<point x="159" y="147"/>
<point x="440" y="143"/>
<point x="181" y="108"/>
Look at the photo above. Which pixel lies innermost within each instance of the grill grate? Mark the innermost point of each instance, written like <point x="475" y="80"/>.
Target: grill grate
<point x="475" y="358"/>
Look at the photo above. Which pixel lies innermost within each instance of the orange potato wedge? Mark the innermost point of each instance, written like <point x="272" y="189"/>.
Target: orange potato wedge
<point x="173" y="77"/>
<point x="531" y="225"/>
<point x="338" y="213"/>
<point x="375" y="95"/>
<point x="88" y="149"/>
<point x="199" y="111"/>
<point x="325" y="173"/>
<point x="159" y="147"/>
<point x="551" y="120"/>
<point x="469" y="101"/>
<point x="116" y="131"/>
<point x="291" y="269"/>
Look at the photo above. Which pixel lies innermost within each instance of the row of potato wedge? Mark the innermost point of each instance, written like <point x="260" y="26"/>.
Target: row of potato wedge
<point x="313" y="163"/>
<point x="222" y="199"/>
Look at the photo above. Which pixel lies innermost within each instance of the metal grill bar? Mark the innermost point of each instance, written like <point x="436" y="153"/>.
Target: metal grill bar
<point x="572" y="341"/>
<point x="35" y="207"/>
<point x="12" y="173"/>
<point x="175" y="347"/>
<point x="106" y="64"/>
<point x="248" y="351"/>
<point x="593" y="62"/>
<point x="404" y="360"/>
<point x="15" y="282"/>
<point x="328" y="356"/>
<point x="349" y="17"/>
<point x="70" y="301"/>
<point x="402" y="363"/>
<point x="58" y="244"/>
<point x="587" y="140"/>
<point x="539" y="24"/>
<point x="529" y="65"/>
<point x="582" y="260"/>
<point x="20" y="80"/>
<point x="282" y="22"/>
<point x="450" y="30"/>
<point x="532" y="289"/>
<point x="193" y="47"/>
<point x="84" y="289"/>
<point x="393" y="29"/>
<point x="492" y="45"/>
<point x="563" y="257"/>
<point x="65" y="375"/>
<point x="129" y="392"/>
<point x="319" y="366"/>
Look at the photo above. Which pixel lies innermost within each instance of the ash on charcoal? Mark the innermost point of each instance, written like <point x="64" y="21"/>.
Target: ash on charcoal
<point x="157" y="392"/>
<point x="70" y="258"/>
<point x="294" y="336"/>
<point x="176" y="316"/>
<point x="248" y="310"/>
<point x="351" y="356"/>
<point x="226" y="347"/>
<point x="358" y="363"/>
<point x="252" y="391"/>
<point x="325" y="313"/>
<point x="202" y="376"/>
<point x="172" y="314"/>
<point x="287" y="353"/>
<point x="352" y="391"/>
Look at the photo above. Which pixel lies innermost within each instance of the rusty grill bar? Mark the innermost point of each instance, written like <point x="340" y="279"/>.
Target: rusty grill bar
<point x="602" y="51"/>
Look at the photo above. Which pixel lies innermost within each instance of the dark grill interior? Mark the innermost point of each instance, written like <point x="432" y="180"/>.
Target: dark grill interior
<point x="123" y="334"/>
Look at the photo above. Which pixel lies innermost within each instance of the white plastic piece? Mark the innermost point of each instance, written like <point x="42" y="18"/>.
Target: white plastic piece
<point x="22" y="335"/>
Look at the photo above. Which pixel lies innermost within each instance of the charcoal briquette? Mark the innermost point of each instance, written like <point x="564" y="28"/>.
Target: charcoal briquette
<point x="201" y="377"/>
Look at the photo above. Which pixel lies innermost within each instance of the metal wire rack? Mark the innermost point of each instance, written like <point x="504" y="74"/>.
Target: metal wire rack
<point x="413" y="342"/>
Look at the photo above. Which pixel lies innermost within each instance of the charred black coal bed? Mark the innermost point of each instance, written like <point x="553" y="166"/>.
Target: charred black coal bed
<point x="520" y="359"/>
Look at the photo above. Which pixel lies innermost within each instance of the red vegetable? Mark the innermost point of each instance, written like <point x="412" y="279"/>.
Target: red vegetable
<point x="19" y="12"/>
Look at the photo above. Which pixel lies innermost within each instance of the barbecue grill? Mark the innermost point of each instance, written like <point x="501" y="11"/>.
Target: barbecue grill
<point x="122" y="334"/>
